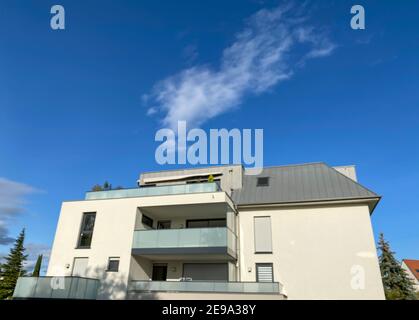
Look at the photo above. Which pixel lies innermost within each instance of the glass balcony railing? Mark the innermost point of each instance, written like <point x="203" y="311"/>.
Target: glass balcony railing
<point x="154" y="191"/>
<point x="56" y="288"/>
<point x="206" y="286"/>
<point x="185" y="238"/>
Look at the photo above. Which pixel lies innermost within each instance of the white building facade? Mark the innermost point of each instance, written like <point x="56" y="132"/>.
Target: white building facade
<point x="291" y="232"/>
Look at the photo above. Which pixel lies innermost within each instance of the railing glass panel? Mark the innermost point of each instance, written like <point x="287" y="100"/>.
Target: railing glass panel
<point x="185" y="238"/>
<point x="154" y="191"/>
<point x="206" y="286"/>
<point x="56" y="288"/>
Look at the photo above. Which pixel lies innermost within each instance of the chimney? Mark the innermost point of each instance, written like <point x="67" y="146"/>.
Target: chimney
<point x="348" y="171"/>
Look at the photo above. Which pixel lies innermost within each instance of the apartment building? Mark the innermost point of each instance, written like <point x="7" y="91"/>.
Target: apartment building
<point x="290" y="232"/>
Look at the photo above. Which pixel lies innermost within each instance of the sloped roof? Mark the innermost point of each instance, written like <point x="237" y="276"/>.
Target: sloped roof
<point x="413" y="265"/>
<point x="300" y="183"/>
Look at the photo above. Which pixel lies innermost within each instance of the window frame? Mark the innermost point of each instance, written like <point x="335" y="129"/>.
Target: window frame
<point x="254" y="235"/>
<point x="82" y="231"/>
<point x="258" y="184"/>
<point x="162" y="222"/>
<point x="264" y="264"/>
<point x="144" y="217"/>
<point x="207" y="220"/>
<point x="118" y="259"/>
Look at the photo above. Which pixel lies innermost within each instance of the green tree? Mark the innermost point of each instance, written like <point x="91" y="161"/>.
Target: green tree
<point x="37" y="268"/>
<point x="105" y="187"/>
<point x="97" y="187"/>
<point x="13" y="267"/>
<point x="397" y="285"/>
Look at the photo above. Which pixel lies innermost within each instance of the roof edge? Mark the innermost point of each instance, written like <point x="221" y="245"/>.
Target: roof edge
<point x="308" y="202"/>
<point x="347" y="178"/>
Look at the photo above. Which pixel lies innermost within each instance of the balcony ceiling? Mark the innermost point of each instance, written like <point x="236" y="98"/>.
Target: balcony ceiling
<point x="189" y="211"/>
<point x="186" y="257"/>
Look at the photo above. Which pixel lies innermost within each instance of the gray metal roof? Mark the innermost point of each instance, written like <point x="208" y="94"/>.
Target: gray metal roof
<point x="300" y="183"/>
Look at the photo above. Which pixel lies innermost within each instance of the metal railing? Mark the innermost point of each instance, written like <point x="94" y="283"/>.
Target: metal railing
<point x="154" y="191"/>
<point x="206" y="286"/>
<point x="56" y="288"/>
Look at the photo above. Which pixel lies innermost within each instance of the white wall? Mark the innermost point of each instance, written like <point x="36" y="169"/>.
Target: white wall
<point x="315" y="250"/>
<point x="112" y="237"/>
<point x="141" y="268"/>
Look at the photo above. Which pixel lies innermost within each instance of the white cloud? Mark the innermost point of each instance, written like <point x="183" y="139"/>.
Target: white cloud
<point x="272" y="44"/>
<point x="151" y="111"/>
<point x="4" y="234"/>
<point x="33" y="250"/>
<point x="12" y="200"/>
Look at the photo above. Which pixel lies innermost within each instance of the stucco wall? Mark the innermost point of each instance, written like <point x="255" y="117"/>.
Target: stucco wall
<point x="317" y="252"/>
<point x="348" y="171"/>
<point x="112" y="237"/>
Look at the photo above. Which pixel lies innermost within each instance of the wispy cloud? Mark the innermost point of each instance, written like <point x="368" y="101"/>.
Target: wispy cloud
<point x="33" y="250"/>
<point x="4" y="234"/>
<point x="12" y="199"/>
<point x="272" y="44"/>
<point x="190" y="53"/>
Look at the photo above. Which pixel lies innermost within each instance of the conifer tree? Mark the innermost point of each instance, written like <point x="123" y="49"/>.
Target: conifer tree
<point x="397" y="285"/>
<point x="13" y="267"/>
<point x="37" y="268"/>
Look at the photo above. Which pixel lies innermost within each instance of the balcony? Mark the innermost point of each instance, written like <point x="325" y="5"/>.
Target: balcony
<point x="154" y="191"/>
<point x="56" y="288"/>
<point x="219" y="242"/>
<point x="206" y="286"/>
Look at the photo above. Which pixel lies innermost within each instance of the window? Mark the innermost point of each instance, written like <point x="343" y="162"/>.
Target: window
<point x="86" y="230"/>
<point x="263" y="236"/>
<point x="163" y="224"/>
<point x="113" y="265"/>
<point x="206" y="223"/>
<point x="159" y="272"/>
<point x="203" y="180"/>
<point x="147" y="221"/>
<point x="264" y="272"/>
<point x="263" y="182"/>
<point x="205" y="271"/>
<point x="216" y="223"/>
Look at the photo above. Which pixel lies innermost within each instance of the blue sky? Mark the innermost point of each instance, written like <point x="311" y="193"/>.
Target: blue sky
<point x="80" y="106"/>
